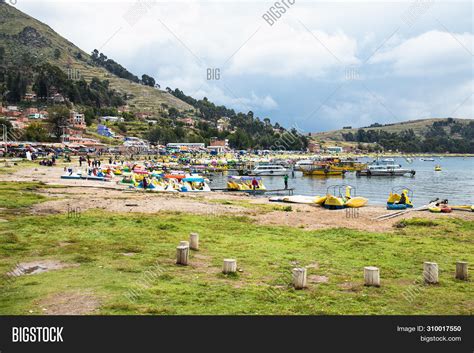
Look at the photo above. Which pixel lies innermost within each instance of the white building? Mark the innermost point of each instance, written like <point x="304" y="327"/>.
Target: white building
<point x="335" y="149"/>
<point x="112" y="119"/>
<point x="189" y="145"/>
<point x="136" y="144"/>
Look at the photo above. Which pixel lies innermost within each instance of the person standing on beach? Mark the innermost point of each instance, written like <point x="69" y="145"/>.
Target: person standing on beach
<point x="254" y="184"/>
<point x="285" y="179"/>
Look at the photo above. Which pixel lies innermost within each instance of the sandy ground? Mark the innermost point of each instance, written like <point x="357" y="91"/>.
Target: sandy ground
<point x="69" y="303"/>
<point x="112" y="197"/>
<point x="35" y="267"/>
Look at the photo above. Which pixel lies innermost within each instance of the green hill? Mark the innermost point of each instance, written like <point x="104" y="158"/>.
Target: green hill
<point x="420" y="128"/>
<point x="28" y="41"/>
<point x="447" y="135"/>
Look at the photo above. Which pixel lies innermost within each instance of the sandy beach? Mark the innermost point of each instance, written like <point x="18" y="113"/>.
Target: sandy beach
<point x="110" y="196"/>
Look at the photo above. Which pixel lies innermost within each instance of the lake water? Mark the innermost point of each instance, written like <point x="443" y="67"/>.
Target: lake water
<point x="455" y="182"/>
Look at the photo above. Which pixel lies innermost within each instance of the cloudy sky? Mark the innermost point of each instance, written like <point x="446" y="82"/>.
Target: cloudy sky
<point x="321" y="65"/>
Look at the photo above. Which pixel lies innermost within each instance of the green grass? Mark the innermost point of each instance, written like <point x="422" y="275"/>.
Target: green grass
<point x="97" y="241"/>
<point x="261" y="207"/>
<point x="21" y="194"/>
<point x="266" y="255"/>
<point x="9" y="167"/>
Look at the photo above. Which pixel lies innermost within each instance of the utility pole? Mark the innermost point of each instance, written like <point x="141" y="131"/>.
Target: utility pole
<point x="5" y="137"/>
<point x="63" y="127"/>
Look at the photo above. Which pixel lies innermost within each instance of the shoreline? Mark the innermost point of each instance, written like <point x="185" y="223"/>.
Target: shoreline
<point x="114" y="198"/>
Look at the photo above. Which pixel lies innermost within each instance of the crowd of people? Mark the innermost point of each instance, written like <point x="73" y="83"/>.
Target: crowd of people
<point x="95" y="163"/>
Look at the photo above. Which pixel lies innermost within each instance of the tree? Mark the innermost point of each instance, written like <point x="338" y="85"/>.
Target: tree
<point x="57" y="120"/>
<point x="36" y="132"/>
<point x="240" y="140"/>
<point x="161" y="135"/>
<point x="112" y="66"/>
<point x="7" y="123"/>
<point x="148" y="80"/>
<point x="173" y="112"/>
<point x="57" y="53"/>
<point x="122" y="127"/>
<point x="179" y="132"/>
<point x="50" y="77"/>
<point x="127" y="116"/>
<point x="16" y="86"/>
<point x="89" y="116"/>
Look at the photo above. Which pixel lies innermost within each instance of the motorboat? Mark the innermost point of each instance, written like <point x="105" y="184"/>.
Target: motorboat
<point x="385" y="169"/>
<point x="325" y="170"/>
<point x="304" y="165"/>
<point x="269" y="170"/>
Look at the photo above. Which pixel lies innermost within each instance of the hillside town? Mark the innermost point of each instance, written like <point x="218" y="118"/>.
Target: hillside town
<point x="76" y="137"/>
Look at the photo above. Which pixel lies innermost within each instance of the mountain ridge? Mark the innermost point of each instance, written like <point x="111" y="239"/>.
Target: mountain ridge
<point x="417" y="125"/>
<point x="20" y="33"/>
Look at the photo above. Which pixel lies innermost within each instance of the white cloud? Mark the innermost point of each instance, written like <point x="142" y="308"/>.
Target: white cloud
<point x="431" y="53"/>
<point x="223" y="95"/>
<point x="290" y="49"/>
<point x="422" y="70"/>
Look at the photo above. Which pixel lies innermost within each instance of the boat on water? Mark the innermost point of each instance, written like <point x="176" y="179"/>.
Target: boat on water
<point x="350" y="165"/>
<point x="244" y="183"/>
<point x="304" y="165"/>
<point x="325" y="170"/>
<point x="325" y="167"/>
<point x="385" y="169"/>
<point x="429" y="159"/>
<point x="388" y="160"/>
<point x="269" y="170"/>
<point x="437" y="168"/>
<point x="329" y="166"/>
